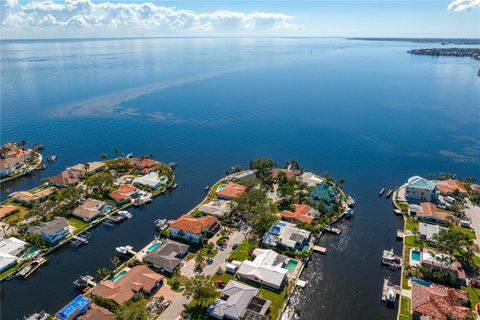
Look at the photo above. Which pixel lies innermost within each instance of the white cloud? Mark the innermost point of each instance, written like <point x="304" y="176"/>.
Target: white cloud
<point x="85" y="14"/>
<point x="461" y="5"/>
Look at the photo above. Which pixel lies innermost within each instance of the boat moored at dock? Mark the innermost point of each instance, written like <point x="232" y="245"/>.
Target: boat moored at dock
<point x="125" y="251"/>
<point x="125" y="214"/>
<point x="83" y="282"/>
<point x="391" y="260"/>
<point x="31" y="267"/>
<point x="381" y="192"/>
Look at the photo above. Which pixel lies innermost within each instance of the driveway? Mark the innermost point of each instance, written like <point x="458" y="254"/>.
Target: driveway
<point x="473" y="213"/>
<point x="176" y="308"/>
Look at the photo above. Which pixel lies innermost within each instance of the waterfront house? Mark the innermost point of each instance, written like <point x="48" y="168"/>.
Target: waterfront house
<point x="427" y="211"/>
<point x="121" y="288"/>
<point x="302" y="213"/>
<point x="146" y="163"/>
<point x="230" y="191"/>
<point x="97" y="313"/>
<point x="445" y="263"/>
<point x="439" y="302"/>
<point x="8" y="166"/>
<point x="446" y="187"/>
<point x="426" y="231"/>
<point x="239" y="301"/>
<point x="20" y="154"/>
<point x="218" y="208"/>
<point x="290" y="174"/>
<point x="194" y="229"/>
<point x="287" y="236"/>
<point x="166" y="257"/>
<point x="28" y="198"/>
<point x="74" y="308"/>
<point x="7" y="210"/>
<point x="419" y="189"/>
<point x="151" y="180"/>
<point x="310" y="179"/>
<point x="90" y="209"/>
<point x="266" y="269"/>
<point x="323" y="192"/>
<point x="52" y="231"/>
<point x="67" y="178"/>
<point x="10" y="250"/>
<point x="124" y="193"/>
<point x="88" y="168"/>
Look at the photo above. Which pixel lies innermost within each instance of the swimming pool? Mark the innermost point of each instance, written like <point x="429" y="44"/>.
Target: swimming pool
<point x="221" y="187"/>
<point x="415" y="255"/>
<point x="30" y="253"/>
<point x="421" y="282"/>
<point x="118" y="276"/>
<point x="153" y="246"/>
<point x="291" y="265"/>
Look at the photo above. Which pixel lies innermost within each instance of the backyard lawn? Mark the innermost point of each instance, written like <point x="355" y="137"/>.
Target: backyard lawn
<point x="225" y="277"/>
<point x="405" y="309"/>
<point x="241" y="252"/>
<point x="277" y="299"/>
<point x="473" y="294"/>
<point x="78" y="224"/>
<point x="16" y="217"/>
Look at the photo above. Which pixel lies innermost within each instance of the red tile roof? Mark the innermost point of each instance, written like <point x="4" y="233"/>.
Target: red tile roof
<point x="97" y="313"/>
<point x="232" y="190"/>
<point x="299" y="214"/>
<point x="430" y="210"/>
<point x="194" y="225"/>
<point x="65" y="178"/>
<point x="126" y="188"/>
<point x="7" y="210"/>
<point x="290" y="173"/>
<point x="448" y="186"/>
<point x="439" y="301"/>
<point x="147" y="163"/>
<point x="136" y="279"/>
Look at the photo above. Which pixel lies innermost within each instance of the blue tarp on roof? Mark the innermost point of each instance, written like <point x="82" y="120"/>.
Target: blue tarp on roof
<point x="74" y="308"/>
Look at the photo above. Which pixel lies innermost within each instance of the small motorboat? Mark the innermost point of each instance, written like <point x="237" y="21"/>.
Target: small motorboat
<point x="83" y="282"/>
<point x="350" y="202"/>
<point x="174" y="186"/>
<point x="161" y="224"/>
<point x="391" y="297"/>
<point x="349" y="213"/>
<point x="125" y="214"/>
<point x="381" y="191"/>
<point x="389" y="193"/>
<point x="207" y="188"/>
<point x="125" y="251"/>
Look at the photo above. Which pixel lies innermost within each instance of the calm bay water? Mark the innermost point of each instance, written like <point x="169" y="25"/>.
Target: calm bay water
<point x="366" y="111"/>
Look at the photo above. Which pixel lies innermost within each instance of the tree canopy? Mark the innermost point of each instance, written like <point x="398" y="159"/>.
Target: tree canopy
<point x="263" y="165"/>
<point x="201" y="288"/>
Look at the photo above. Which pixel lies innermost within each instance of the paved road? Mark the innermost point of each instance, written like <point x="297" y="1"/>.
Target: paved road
<point x="176" y="308"/>
<point x="473" y="213"/>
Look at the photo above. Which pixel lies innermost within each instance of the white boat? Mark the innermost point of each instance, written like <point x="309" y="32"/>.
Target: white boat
<point x="349" y="213"/>
<point x="350" y="202"/>
<point x="125" y="251"/>
<point x="125" y="214"/>
<point x="130" y="155"/>
<point x="160" y="224"/>
<point x="391" y="296"/>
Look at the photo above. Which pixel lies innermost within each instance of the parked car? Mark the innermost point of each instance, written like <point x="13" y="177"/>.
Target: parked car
<point x="220" y="283"/>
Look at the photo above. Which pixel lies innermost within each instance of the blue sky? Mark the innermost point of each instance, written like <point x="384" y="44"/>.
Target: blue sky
<point x="86" y="18"/>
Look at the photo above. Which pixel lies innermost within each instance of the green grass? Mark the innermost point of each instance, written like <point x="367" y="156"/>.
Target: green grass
<point x="241" y="252"/>
<point x="213" y="189"/>
<point x="277" y="299"/>
<point x="78" y="224"/>
<point x="16" y="217"/>
<point x="405" y="309"/>
<point x="473" y="295"/>
<point x="467" y="231"/>
<point x="402" y="205"/>
<point x="10" y="270"/>
<point x="225" y="277"/>
<point x="411" y="224"/>
<point x="411" y="241"/>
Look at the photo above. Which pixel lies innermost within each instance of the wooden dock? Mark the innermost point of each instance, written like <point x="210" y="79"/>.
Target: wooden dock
<point x="319" y="249"/>
<point x="400" y="234"/>
<point x="387" y="285"/>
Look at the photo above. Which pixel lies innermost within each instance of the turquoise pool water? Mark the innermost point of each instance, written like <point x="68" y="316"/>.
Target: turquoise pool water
<point x="153" y="246"/>
<point x="415" y="255"/>
<point x="221" y="187"/>
<point x="421" y="282"/>
<point x="30" y="253"/>
<point x="163" y="180"/>
<point x="305" y="248"/>
<point x="118" y="276"/>
<point x="291" y="265"/>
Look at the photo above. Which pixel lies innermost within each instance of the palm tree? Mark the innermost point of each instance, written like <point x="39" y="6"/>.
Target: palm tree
<point x="115" y="261"/>
<point x="199" y="259"/>
<point x="86" y="166"/>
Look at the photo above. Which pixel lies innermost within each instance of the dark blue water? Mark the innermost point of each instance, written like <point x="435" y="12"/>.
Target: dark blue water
<point x="366" y="111"/>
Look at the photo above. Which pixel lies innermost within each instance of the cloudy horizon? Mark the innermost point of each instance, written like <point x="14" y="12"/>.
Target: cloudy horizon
<point x="94" y="18"/>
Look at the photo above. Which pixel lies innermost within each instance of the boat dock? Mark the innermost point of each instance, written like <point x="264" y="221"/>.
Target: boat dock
<point x="400" y="234"/>
<point x="332" y="230"/>
<point x="397" y="212"/>
<point x="319" y="249"/>
<point x="391" y="260"/>
<point x="31" y="267"/>
<point x="388" y="286"/>
<point x="126" y="251"/>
